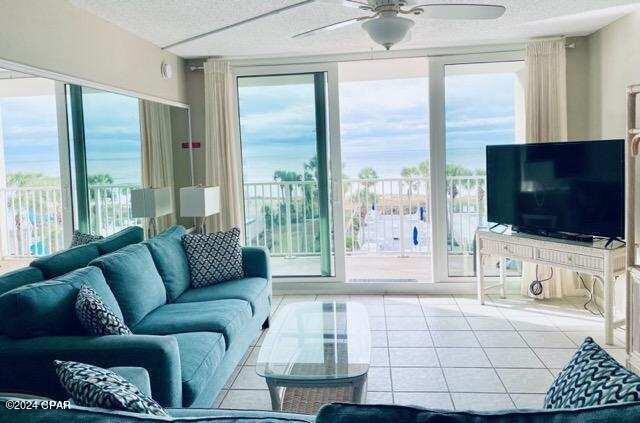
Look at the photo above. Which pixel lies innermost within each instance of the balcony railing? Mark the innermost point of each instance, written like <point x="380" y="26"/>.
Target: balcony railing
<point x="382" y="216"/>
<point x="33" y="217"/>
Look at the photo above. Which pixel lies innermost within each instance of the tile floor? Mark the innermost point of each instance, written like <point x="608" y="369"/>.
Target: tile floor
<point x="448" y="352"/>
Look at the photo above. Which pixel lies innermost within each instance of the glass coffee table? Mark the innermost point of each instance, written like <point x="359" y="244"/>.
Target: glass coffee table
<point x="316" y="353"/>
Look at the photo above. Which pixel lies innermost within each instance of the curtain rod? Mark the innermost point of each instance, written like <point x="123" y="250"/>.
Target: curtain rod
<point x="572" y="45"/>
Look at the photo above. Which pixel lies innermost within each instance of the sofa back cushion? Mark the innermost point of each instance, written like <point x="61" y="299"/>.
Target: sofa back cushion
<point x="134" y="280"/>
<point x="114" y="242"/>
<point x="171" y="260"/>
<point x="20" y="277"/>
<point x="65" y="261"/>
<point x="47" y="308"/>
<point x="356" y="413"/>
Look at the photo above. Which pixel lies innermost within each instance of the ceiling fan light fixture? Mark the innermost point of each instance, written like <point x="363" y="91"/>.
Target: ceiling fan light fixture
<point x="388" y="29"/>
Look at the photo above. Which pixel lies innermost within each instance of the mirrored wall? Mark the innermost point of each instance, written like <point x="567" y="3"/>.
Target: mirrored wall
<point x="71" y="155"/>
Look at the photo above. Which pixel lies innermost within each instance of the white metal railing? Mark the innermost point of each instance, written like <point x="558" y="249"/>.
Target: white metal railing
<point x="33" y="217"/>
<point x="385" y="215"/>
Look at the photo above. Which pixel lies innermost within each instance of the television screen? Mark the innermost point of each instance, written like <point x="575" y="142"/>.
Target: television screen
<point x="570" y="187"/>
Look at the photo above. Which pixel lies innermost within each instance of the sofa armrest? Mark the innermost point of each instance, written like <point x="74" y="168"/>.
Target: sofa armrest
<point x="255" y="261"/>
<point x="26" y="365"/>
<point x="138" y="376"/>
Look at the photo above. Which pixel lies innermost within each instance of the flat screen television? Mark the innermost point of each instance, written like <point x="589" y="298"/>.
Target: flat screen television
<point x="558" y="188"/>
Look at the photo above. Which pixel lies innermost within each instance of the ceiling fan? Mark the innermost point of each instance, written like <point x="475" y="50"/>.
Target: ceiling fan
<point x="387" y="28"/>
<point x="384" y="26"/>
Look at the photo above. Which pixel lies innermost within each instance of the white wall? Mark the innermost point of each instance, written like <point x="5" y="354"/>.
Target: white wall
<point x="614" y="63"/>
<point x="55" y="36"/>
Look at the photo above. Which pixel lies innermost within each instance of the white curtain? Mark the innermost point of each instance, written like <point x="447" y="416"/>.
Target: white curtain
<point x="546" y="120"/>
<point x="157" y="151"/>
<point x="221" y="144"/>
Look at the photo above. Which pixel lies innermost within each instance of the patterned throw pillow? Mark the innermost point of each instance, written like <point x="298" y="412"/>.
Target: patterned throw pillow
<point x="592" y="377"/>
<point x="95" y="316"/>
<point x="213" y="258"/>
<point x="92" y="386"/>
<point x="80" y="238"/>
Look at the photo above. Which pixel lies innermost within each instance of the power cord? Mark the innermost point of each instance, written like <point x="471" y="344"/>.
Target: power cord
<point x="592" y="298"/>
<point x="536" y="286"/>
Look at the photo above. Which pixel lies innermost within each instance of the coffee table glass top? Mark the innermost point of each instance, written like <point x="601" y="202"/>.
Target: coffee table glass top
<point x="317" y="341"/>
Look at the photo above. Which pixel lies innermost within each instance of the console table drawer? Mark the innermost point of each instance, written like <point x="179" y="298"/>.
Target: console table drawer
<point x="505" y="248"/>
<point x="570" y="259"/>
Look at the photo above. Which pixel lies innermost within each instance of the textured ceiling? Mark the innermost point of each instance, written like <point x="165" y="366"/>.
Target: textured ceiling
<point x="164" y="22"/>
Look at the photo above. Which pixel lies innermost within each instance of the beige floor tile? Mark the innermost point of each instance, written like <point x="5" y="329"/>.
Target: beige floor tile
<point x="401" y="310"/>
<point x="528" y="401"/>
<point x="462" y="357"/>
<point x="406" y="323"/>
<point x="249" y="379"/>
<point x="379" y="338"/>
<point x="555" y="357"/>
<point x="413" y="357"/>
<point x="513" y="358"/>
<point x="526" y="381"/>
<point x="475" y="380"/>
<point x="547" y="339"/>
<point x="408" y="338"/>
<point x="422" y="379"/>
<point x="379" y="357"/>
<point x="489" y="323"/>
<point x="247" y="400"/>
<point x="379" y="398"/>
<point x="431" y="400"/>
<point x="454" y="338"/>
<point x="500" y="339"/>
<point x="447" y="323"/>
<point x="481" y="402"/>
<point x="379" y="379"/>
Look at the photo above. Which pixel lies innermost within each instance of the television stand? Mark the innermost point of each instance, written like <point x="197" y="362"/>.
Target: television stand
<point x="558" y="235"/>
<point x="606" y="264"/>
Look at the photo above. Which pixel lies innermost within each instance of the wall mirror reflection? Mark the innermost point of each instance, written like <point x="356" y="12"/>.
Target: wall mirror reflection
<point x="70" y="157"/>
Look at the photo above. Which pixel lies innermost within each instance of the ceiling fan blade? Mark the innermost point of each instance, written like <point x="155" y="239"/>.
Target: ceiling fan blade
<point x="356" y="4"/>
<point x="461" y="11"/>
<point x="331" y="27"/>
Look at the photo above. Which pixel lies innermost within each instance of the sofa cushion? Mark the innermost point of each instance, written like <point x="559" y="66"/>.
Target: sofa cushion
<point x="352" y="413"/>
<point x="134" y="280"/>
<point x="47" y="308"/>
<point x="248" y="289"/>
<point x="114" y="242"/>
<point x="95" y="317"/>
<point x="592" y="377"/>
<point x="20" y="277"/>
<point x="171" y="260"/>
<point x="93" y="386"/>
<point x="213" y="258"/>
<point x="67" y="260"/>
<point x="228" y="317"/>
<point x="200" y="355"/>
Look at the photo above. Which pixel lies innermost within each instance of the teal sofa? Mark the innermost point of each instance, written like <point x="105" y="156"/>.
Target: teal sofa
<point x="188" y="340"/>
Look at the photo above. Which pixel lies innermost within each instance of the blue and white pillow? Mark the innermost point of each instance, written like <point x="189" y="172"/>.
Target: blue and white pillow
<point x="213" y="258"/>
<point x="592" y="377"/>
<point x="80" y="238"/>
<point x="93" y="386"/>
<point x="95" y="316"/>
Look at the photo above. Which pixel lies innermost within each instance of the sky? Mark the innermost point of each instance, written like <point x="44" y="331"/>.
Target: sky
<point x="112" y="132"/>
<point x="383" y="124"/>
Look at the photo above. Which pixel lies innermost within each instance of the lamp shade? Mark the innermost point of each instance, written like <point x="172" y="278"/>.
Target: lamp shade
<point x="151" y="202"/>
<point x="199" y="201"/>
<point x="388" y="29"/>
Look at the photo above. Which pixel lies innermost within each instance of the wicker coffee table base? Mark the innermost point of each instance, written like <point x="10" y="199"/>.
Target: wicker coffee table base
<point x="308" y="396"/>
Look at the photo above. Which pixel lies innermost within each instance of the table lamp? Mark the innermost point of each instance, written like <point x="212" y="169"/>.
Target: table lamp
<point x="151" y="203"/>
<point x="199" y="202"/>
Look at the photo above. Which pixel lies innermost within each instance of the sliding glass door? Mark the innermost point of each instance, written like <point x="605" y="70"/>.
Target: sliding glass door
<point x="480" y="102"/>
<point x="286" y="170"/>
